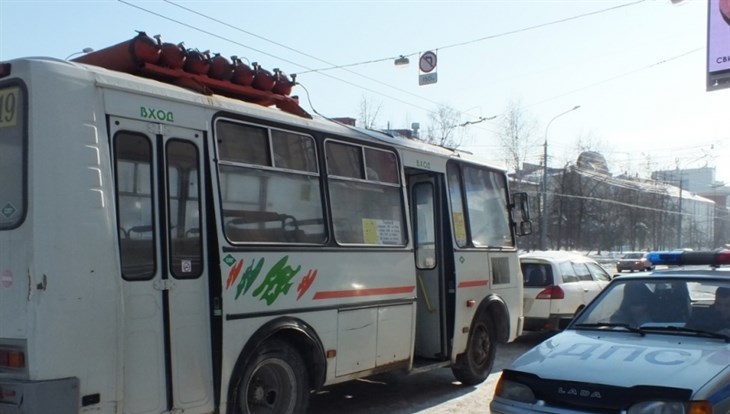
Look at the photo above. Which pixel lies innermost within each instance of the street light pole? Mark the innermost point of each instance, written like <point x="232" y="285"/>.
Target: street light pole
<point x="544" y="223"/>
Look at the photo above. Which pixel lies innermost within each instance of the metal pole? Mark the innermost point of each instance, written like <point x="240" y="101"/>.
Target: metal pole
<point x="544" y="223"/>
<point x="679" y="222"/>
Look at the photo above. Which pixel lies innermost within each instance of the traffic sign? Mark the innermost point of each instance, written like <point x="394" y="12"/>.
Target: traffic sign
<point x="427" y="62"/>
<point x="427" y="78"/>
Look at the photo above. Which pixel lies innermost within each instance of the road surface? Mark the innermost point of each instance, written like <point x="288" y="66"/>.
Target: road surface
<point x="435" y="392"/>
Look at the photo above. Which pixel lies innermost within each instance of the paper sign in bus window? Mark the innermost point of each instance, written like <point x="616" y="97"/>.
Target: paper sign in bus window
<point x="381" y="231"/>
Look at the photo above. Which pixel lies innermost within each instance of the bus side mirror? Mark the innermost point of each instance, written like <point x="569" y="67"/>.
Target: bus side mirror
<point x="519" y="200"/>
<point x="525" y="228"/>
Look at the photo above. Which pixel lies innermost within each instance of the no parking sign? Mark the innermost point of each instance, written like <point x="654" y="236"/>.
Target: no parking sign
<point x="427" y="68"/>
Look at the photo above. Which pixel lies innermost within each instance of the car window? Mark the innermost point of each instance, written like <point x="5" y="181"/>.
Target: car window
<point x="581" y="270"/>
<point x="633" y="256"/>
<point x="598" y="272"/>
<point x="537" y="274"/>
<point x="567" y="272"/>
<point x="664" y="301"/>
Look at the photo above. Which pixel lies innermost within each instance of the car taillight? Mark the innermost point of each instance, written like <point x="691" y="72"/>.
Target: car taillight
<point x="551" y="292"/>
<point x="12" y="358"/>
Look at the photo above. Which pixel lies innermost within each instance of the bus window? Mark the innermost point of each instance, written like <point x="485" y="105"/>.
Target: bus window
<point x="457" y="205"/>
<point x="133" y="154"/>
<point x="265" y="201"/>
<point x="293" y="151"/>
<point x="344" y="160"/>
<point x="366" y="209"/>
<point x="381" y="166"/>
<point x="12" y="156"/>
<point x="244" y="144"/>
<point x="486" y="200"/>
<point x="184" y="205"/>
<point x="424" y="222"/>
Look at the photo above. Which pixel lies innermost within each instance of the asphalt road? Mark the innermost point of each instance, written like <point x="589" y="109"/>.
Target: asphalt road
<point x="435" y="392"/>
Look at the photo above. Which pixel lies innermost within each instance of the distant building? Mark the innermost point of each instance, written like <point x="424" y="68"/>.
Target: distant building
<point x="588" y="208"/>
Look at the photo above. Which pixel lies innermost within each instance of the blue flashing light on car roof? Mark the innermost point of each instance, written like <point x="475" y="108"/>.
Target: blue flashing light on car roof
<point x="682" y="258"/>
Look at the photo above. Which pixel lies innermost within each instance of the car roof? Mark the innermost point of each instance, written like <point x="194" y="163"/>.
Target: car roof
<point x="680" y="272"/>
<point x="556" y="256"/>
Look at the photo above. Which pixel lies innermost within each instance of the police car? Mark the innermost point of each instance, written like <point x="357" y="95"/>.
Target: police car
<point x="650" y="343"/>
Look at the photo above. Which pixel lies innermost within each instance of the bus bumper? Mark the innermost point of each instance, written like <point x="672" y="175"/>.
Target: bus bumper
<point x="39" y="397"/>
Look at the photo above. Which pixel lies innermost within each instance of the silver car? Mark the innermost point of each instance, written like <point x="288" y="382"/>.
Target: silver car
<point x="656" y="343"/>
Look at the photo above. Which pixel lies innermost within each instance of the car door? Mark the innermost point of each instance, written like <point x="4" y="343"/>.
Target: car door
<point x="572" y="286"/>
<point x="588" y="284"/>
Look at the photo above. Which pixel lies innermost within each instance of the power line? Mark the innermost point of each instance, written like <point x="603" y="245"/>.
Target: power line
<point x="490" y="37"/>
<point x="300" y="52"/>
<point x="319" y="71"/>
<point x="269" y="54"/>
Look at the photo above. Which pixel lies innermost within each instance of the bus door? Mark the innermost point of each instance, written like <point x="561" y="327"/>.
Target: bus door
<point x="432" y="272"/>
<point x="162" y="240"/>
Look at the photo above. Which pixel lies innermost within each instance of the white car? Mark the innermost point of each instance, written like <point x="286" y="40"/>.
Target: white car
<point x="650" y="343"/>
<point x="556" y="286"/>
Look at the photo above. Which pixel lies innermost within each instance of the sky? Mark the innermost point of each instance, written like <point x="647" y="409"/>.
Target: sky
<point x="636" y="68"/>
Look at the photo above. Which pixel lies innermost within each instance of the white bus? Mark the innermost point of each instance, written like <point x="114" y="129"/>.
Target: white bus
<point x="168" y="247"/>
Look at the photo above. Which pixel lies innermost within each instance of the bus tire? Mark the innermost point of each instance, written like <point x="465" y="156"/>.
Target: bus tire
<point x="274" y="380"/>
<point x="474" y="365"/>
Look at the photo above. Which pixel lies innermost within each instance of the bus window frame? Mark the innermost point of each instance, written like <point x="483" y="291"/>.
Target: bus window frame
<point x="270" y="169"/>
<point x="125" y="235"/>
<point x="463" y="201"/>
<point x="331" y="179"/>
<point x="25" y="112"/>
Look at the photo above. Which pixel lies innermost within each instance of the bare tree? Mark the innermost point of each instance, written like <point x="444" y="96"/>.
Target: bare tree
<point x="369" y="113"/>
<point x="516" y="135"/>
<point x="444" y="127"/>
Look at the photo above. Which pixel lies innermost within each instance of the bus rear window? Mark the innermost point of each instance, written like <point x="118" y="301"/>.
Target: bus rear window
<point x="12" y="156"/>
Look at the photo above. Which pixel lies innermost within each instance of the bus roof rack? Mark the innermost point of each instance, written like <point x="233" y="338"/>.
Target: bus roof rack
<point x="197" y="71"/>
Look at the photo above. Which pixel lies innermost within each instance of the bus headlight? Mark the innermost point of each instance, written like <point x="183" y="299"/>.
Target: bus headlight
<point x="514" y="391"/>
<point x="671" y="407"/>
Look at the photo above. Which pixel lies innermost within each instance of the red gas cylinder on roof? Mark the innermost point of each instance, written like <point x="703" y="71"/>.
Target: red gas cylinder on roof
<point x="126" y="56"/>
<point x="263" y="80"/>
<point x="172" y="55"/>
<point x="220" y="68"/>
<point x="283" y="85"/>
<point x="197" y="63"/>
<point x="242" y="73"/>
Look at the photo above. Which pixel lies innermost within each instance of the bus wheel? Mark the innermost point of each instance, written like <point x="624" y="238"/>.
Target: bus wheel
<point x="473" y="366"/>
<point x="274" y="380"/>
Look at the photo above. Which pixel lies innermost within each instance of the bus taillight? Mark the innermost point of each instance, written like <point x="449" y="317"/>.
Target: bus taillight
<point x="4" y="70"/>
<point x="12" y="358"/>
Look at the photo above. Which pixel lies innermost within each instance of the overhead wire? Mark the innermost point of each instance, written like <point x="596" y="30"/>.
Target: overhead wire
<point x="494" y="36"/>
<point x="319" y="71"/>
<point x="268" y="54"/>
<point x="409" y="103"/>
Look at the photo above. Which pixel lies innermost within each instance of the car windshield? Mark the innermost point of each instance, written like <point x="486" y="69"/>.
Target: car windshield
<point x="689" y="306"/>
<point x="633" y="256"/>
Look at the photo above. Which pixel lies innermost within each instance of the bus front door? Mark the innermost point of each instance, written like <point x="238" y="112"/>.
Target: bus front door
<point x="426" y="193"/>
<point x="166" y="355"/>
